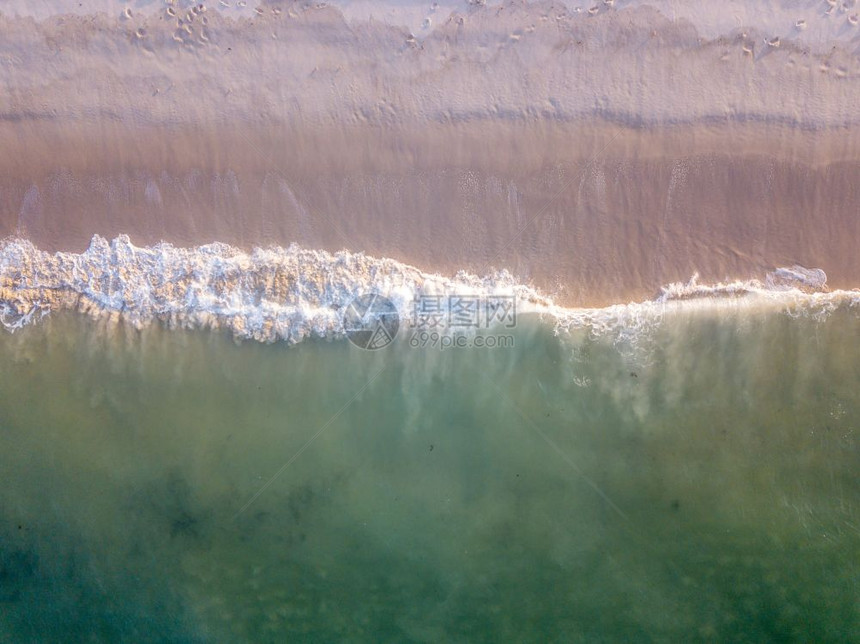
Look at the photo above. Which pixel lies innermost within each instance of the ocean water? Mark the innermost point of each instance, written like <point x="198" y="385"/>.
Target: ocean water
<point x="692" y="477"/>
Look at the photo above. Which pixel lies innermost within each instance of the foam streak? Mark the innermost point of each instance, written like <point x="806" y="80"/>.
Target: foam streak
<point x="293" y="293"/>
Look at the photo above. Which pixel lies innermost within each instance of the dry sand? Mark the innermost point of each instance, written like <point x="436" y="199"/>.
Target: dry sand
<point x="598" y="157"/>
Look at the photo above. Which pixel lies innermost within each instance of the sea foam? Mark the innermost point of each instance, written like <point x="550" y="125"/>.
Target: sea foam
<point x="289" y="294"/>
<point x="267" y="294"/>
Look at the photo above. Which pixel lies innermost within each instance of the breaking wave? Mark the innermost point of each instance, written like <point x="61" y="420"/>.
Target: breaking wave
<point x="293" y="293"/>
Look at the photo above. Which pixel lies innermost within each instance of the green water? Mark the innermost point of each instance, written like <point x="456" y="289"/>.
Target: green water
<point x="699" y="484"/>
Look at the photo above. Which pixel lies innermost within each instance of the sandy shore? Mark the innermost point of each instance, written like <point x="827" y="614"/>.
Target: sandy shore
<point x="598" y="158"/>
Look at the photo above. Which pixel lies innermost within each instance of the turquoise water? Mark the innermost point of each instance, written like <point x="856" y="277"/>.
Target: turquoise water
<point x="696" y="483"/>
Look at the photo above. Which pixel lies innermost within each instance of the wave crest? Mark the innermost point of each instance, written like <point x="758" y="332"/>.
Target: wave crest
<point x="293" y="293"/>
<point x="267" y="295"/>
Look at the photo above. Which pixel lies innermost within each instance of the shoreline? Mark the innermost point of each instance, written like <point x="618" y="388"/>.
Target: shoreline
<point x="591" y="214"/>
<point x="290" y="294"/>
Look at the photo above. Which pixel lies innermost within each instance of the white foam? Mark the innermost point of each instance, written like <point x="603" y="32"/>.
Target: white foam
<point x="292" y="293"/>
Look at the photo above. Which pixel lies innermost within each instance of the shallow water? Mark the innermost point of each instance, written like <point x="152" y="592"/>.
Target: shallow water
<point x="697" y="481"/>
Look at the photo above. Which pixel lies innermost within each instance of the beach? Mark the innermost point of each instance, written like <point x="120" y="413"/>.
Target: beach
<point x="429" y="322"/>
<point x="607" y="170"/>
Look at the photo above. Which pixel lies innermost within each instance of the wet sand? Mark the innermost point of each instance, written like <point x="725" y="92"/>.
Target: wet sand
<point x="590" y="158"/>
<point x="590" y="216"/>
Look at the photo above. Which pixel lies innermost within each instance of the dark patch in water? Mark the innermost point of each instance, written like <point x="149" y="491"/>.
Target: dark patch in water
<point x="17" y="570"/>
<point x="170" y="509"/>
<point x="299" y="501"/>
